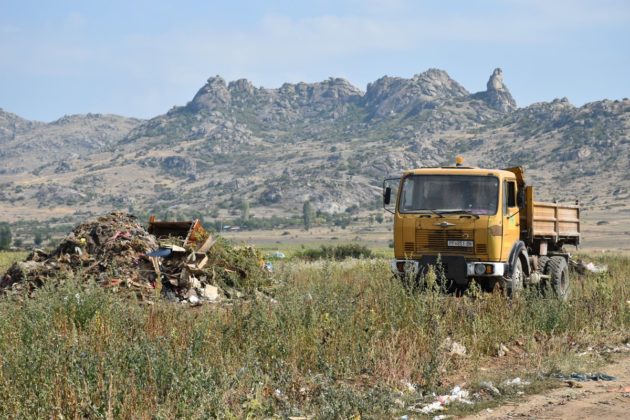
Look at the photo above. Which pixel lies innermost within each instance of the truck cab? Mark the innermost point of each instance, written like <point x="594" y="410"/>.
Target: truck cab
<point x="473" y="221"/>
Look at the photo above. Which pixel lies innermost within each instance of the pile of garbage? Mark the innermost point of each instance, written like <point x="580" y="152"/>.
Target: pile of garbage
<point x="178" y="261"/>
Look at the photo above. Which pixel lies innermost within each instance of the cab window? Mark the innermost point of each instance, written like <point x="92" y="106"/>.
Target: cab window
<point x="509" y="196"/>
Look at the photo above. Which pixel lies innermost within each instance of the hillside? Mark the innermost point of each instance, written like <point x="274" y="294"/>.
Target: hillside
<point x="327" y="142"/>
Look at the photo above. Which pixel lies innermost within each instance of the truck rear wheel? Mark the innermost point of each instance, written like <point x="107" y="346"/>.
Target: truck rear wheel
<point x="542" y="264"/>
<point x="558" y="270"/>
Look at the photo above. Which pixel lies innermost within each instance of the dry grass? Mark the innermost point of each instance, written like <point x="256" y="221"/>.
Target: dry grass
<point x="338" y="340"/>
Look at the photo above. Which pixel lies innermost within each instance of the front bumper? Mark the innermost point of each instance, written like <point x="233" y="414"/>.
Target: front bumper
<point x="414" y="267"/>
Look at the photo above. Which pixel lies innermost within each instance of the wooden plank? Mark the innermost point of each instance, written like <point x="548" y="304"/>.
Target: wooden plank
<point x="201" y="264"/>
<point x="206" y="245"/>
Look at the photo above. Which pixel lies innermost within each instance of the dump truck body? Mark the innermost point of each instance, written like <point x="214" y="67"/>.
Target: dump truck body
<point x="478" y="224"/>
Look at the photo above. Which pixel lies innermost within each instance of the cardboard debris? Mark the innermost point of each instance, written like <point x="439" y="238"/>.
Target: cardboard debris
<point x="118" y="253"/>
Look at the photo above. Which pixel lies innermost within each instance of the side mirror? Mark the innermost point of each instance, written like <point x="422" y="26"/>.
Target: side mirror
<point x="387" y="195"/>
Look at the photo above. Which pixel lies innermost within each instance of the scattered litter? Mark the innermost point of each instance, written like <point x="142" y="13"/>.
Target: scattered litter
<point x="432" y="408"/>
<point x="502" y="350"/>
<point x="489" y="386"/>
<point x="443" y="417"/>
<point x="457" y="395"/>
<point x="581" y="267"/>
<point x="583" y="377"/>
<point x="179" y="261"/>
<point x="516" y="382"/>
<point x="409" y="386"/>
<point x="453" y="347"/>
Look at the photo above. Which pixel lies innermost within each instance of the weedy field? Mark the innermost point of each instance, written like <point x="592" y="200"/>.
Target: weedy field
<point x="338" y="339"/>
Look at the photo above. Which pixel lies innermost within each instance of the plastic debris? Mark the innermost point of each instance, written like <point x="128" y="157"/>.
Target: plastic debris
<point x="489" y="386"/>
<point x="432" y="408"/>
<point x="583" y="377"/>
<point x="581" y="267"/>
<point x="279" y="255"/>
<point x="453" y="347"/>
<point x="409" y="386"/>
<point x="516" y="382"/>
<point x="457" y="395"/>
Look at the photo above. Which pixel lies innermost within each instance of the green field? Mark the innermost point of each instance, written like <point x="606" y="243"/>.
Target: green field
<point x="337" y="340"/>
<point x="8" y="258"/>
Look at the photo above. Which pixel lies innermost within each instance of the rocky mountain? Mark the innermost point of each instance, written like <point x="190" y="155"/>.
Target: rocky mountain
<point x="326" y="142"/>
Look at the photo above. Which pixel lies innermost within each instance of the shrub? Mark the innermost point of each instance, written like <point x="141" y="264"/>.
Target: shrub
<point x="337" y="252"/>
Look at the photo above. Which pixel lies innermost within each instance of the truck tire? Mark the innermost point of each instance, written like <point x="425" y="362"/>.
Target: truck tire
<point x="513" y="287"/>
<point x="558" y="270"/>
<point x="542" y="264"/>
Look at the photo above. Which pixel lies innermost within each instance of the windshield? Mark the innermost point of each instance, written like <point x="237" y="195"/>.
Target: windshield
<point x="475" y="194"/>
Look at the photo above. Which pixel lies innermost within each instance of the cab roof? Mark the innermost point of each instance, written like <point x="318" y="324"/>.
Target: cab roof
<point x="459" y="170"/>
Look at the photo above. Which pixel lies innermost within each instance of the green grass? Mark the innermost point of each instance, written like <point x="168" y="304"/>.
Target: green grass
<point x="337" y="341"/>
<point x="7" y="258"/>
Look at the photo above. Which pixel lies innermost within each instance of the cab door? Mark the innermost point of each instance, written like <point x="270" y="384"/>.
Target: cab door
<point x="511" y="217"/>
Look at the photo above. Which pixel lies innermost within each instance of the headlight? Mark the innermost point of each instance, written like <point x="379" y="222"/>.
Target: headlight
<point x="480" y="269"/>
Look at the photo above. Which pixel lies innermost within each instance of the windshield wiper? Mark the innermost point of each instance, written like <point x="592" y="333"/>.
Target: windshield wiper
<point x="434" y="211"/>
<point x="439" y="213"/>
<point x="461" y="211"/>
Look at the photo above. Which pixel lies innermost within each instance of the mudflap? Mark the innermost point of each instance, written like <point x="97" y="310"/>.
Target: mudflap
<point x="453" y="267"/>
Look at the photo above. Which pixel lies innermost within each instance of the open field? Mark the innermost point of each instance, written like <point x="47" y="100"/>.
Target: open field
<point x="602" y="230"/>
<point x="337" y="340"/>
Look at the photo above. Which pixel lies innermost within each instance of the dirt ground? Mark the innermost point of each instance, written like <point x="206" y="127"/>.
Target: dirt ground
<point x="595" y="399"/>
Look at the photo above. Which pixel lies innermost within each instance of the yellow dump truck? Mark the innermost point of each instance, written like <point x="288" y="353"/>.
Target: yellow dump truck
<point x="480" y="225"/>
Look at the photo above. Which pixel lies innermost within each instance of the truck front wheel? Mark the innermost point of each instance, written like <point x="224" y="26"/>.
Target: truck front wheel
<point x="515" y="284"/>
<point x="558" y="271"/>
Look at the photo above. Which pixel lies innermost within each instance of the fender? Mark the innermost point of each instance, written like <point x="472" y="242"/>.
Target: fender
<point x="519" y="248"/>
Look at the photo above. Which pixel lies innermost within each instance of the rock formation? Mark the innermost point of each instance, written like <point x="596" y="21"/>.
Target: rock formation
<point x="497" y="95"/>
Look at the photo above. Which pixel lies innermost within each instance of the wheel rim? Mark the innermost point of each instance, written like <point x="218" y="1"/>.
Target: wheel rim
<point x="517" y="277"/>
<point x="563" y="282"/>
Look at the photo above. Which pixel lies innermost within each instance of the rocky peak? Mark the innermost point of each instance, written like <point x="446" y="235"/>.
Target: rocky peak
<point x="497" y="95"/>
<point x="241" y="87"/>
<point x="12" y="125"/>
<point x="213" y="94"/>
<point x="437" y="83"/>
<point x="391" y="95"/>
<point x="496" y="81"/>
<point x="333" y="88"/>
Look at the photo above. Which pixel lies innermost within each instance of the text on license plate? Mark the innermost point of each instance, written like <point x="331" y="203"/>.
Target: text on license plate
<point x="468" y="244"/>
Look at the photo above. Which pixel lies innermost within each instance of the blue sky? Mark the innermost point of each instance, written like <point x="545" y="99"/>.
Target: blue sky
<point x="139" y="58"/>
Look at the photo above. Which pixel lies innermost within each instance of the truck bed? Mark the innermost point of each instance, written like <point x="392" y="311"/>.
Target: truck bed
<point x="553" y="221"/>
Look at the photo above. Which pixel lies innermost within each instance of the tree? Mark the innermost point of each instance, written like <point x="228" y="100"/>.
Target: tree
<point x="379" y="218"/>
<point x="5" y="236"/>
<point x="39" y="238"/>
<point x="307" y="214"/>
<point x="244" y="210"/>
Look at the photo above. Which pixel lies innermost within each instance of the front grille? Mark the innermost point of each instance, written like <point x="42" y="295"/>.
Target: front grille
<point x="409" y="247"/>
<point x="482" y="249"/>
<point x="437" y="241"/>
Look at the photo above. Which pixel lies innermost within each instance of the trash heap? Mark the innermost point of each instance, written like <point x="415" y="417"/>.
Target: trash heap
<point x="178" y="261"/>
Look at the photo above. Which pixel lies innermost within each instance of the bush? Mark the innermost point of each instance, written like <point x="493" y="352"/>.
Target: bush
<point x="338" y="252"/>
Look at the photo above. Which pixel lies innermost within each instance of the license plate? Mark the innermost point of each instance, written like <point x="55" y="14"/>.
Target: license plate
<point x="461" y="244"/>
